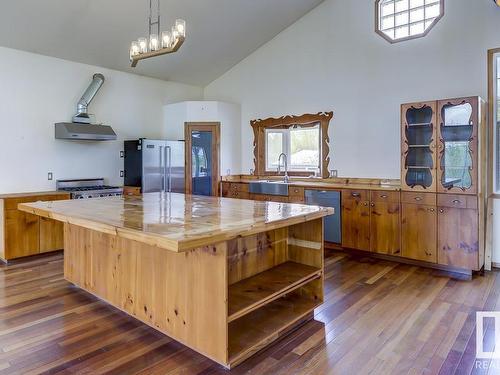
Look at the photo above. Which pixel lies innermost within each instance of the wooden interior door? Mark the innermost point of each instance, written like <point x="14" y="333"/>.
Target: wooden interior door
<point x="355" y="220"/>
<point x="457" y="159"/>
<point x="418" y="146"/>
<point x="419" y="232"/>
<point x="196" y="180"/>
<point x="385" y="228"/>
<point x="458" y="237"/>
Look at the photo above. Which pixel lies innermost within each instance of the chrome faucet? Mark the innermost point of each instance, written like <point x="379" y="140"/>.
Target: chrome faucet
<point x="285" y="179"/>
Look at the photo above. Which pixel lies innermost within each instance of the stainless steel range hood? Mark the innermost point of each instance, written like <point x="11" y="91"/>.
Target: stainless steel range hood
<point x="82" y="128"/>
<point x="84" y="132"/>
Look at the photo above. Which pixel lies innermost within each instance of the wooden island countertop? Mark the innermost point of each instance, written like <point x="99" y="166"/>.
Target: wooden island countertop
<point x="226" y="277"/>
<point x="173" y="221"/>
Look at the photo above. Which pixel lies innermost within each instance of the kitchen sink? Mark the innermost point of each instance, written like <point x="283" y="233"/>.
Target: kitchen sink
<point x="268" y="187"/>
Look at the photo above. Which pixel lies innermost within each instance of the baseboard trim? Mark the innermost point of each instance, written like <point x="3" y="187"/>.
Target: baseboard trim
<point x="392" y="258"/>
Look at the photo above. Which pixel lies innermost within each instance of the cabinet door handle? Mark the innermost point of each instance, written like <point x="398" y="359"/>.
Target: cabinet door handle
<point x="373" y="205"/>
<point x="365" y="204"/>
<point x="441" y="210"/>
<point x="383" y="196"/>
<point x="431" y="210"/>
<point x="356" y="195"/>
<point x="455" y="201"/>
<point x="418" y="199"/>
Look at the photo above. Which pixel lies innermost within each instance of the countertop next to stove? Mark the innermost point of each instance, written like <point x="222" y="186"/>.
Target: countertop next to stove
<point x="30" y="194"/>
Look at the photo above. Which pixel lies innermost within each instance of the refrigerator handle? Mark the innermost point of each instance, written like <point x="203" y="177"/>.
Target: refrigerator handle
<point x="168" y="169"/>
<point x="162" y="167"/>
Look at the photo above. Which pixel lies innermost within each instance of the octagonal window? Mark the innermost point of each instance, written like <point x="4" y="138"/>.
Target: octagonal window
<point x="399" y="20"/>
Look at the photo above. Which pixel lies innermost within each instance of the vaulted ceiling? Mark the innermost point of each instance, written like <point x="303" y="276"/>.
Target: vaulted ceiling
<point x="220" y="33"/>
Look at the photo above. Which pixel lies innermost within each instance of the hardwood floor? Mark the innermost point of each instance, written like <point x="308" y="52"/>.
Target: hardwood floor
<point x="379" y="317"/>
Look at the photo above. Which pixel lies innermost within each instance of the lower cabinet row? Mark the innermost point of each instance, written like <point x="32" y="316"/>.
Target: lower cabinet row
<point x="23" y="234"/>
<point x="435" y="228"/>
<point x="430" y="227"/>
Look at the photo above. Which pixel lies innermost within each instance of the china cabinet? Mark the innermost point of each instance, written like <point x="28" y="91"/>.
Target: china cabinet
<point x="443" y="153"/>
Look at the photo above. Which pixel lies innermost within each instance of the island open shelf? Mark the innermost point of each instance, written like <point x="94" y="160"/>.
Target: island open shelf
<point x="225" y="277"/>
<point x="251" y="293"/>
<point x="275" y="281"/>
<point x="252" y="332"/>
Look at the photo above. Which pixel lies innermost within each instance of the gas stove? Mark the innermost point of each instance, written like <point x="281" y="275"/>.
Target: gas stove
<point x="88" y="188"/>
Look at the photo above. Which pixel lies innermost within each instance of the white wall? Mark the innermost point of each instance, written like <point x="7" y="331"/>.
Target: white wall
<point x="332" y="59"/>
<point x="37" y="91"/>
<point x="229" y="116"/>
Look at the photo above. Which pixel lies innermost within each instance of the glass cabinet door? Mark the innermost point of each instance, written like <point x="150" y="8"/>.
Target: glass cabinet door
<point x="457" y="145"/>
<point x="418" y="158"/>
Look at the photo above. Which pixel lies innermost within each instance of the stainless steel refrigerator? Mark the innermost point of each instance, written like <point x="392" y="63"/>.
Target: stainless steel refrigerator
<point x="155" y="165"/>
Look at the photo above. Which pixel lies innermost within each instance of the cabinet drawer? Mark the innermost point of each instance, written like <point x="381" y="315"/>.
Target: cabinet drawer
<point x="384" y="196"/>
<point x="238" y="187"/>
<point x="268" y="198"/>
<point x="457" y="201"/>
<point x="294" y="191"/>
<point x="360" y="195"/>
<point x="419" y="198"/>
<point x="238" y="194"/>
<point x="12" y="203"/>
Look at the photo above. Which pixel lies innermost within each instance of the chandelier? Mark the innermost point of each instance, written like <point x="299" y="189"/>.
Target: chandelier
<point x="158" y="44"/>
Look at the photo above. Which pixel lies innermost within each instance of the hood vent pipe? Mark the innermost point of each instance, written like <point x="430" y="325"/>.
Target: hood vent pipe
<point x="82" y="115"/>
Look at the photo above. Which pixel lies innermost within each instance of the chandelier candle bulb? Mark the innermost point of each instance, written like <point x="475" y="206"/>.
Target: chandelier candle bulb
<point x="175" y="34"/>
<point x="166" y="38"/>
<point x="143" y="45"/>
<point x="134" y="50"/>
<point x="154" y="43"/>
<point x="180" y="26"/>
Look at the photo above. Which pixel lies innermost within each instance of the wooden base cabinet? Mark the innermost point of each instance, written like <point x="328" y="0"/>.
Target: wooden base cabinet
<point x="356" y="219"/>
<point x="385" y="223"/>
<point x="51" y="235"/>
<point x="458" y="238"/>
<point x="23" y="234"/>
<point x="419" y="232"/>
<point x="371" y="221"/>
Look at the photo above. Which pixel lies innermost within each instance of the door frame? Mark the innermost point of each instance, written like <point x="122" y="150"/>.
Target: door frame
<point x="213" y="127"/>
<point x="491" y="123"/>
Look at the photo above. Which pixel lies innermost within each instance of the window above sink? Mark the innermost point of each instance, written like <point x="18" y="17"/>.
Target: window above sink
<point x="301" y="144"/>
<point x="304" y="140"/>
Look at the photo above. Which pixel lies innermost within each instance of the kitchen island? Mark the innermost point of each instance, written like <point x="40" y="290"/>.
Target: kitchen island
<point x="225" y="277"/>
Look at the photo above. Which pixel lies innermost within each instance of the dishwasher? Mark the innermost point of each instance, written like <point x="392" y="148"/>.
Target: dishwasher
<point x="332" y="223"/>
